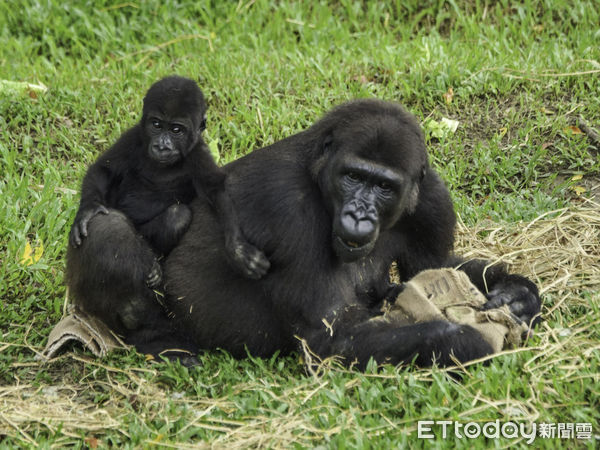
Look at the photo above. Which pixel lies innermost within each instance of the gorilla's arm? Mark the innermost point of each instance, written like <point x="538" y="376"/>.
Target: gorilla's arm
<point x="97" y="183"/>
<point x="209" y="180"/>
<point x="502" y="288"/>
<point x="356" y="335"/>
<point x="424" y="343"/>
<point x="424" y="239"/>
<point x="93" y="200"/>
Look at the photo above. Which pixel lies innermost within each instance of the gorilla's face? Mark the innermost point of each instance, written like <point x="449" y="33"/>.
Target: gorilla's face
<point x="370" y="180"/>
<point x="367" y="197"/>
<point x="169" y="139"/>
<point x="173" y="119"/>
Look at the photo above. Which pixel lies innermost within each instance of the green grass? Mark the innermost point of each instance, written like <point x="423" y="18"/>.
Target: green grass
<point x="521" y="73"/>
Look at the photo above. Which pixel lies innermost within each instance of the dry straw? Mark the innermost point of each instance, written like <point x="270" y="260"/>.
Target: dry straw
<point x="559" y="250"/>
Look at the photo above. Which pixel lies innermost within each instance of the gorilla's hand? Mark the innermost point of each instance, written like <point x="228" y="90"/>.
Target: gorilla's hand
<point x="246" y="258"/>
<point x="79" y="230"/>
<point x="520" y="294"/>
<point x="155" y="276"/>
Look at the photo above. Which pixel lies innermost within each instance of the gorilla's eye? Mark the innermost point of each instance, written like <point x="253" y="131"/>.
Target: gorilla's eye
<point x="156" y="123"/>
<point x="353" y="176"/>
<point x="176" y="129"/>
<point x="384" y="186"/>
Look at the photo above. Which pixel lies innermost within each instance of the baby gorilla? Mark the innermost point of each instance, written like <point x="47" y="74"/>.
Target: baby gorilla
<point x="155" y="169"/>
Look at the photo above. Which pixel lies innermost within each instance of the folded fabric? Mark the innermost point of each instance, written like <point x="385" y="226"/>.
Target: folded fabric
<point x="448" y="294"/>
<point x="79" y="326"/>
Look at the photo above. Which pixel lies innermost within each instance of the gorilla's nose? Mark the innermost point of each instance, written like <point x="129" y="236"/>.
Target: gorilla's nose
<point x="165" y="144"/>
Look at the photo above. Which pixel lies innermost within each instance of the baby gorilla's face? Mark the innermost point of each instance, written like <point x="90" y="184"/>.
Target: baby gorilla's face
<point x="169" y="139"/>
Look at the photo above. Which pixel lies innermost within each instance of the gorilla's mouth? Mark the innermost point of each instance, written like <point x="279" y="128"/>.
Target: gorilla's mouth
<point x="164" y="157"/>
<point x="351" y="246"/>
<point x="348" y="250"/>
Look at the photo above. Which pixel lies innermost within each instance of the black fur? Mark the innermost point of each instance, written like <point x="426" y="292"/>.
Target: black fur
<point x="134" y="208"/>
<point x="290" y="196"/>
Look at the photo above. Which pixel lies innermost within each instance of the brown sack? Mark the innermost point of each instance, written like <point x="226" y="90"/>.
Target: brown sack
<point x="81" y="327"/>
<point x="448" y="294"/>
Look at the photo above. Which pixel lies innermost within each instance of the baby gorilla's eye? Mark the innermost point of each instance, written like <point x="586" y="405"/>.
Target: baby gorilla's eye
<point x="156" y="124"/>
<point x="176" y="129"/>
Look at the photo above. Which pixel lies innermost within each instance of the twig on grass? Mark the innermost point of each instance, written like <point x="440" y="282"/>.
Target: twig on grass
<point x="591" y="134"/>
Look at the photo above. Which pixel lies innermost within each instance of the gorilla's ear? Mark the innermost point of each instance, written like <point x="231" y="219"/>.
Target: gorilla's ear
<point x="327" y="141"/>
<point x="413" y="196"/>
<point x="413" y="199"/>
<point x="317" y="166"/>
<point x="322" y="155"/>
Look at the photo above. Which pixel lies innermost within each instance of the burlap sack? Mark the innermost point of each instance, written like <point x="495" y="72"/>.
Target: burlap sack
<point x="81" y="327"/>
<point x="448" y="294"/>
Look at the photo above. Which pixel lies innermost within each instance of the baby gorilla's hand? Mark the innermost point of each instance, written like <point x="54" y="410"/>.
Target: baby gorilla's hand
<point x="79" y="230"/>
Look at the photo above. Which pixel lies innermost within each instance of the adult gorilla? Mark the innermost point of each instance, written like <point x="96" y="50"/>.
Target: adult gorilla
<point x="332" y="207"/>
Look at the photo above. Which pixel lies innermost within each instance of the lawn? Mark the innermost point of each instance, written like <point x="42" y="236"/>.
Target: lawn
<point x="522" y="79"/>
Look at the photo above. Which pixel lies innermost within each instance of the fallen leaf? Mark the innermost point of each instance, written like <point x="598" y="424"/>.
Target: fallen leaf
<point x="577" y="177"/>
<point x="15" y="88"/>
<point x="449" y="95"/>
<point x="92" y="442"/>
<point x="579" y="190"/>
<point x="452" y="125"/>
<point x="32" y="253"/>
<point x="442" y="128"/>
<point x="434" y="128"/>
<point x="572" y="129"/>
